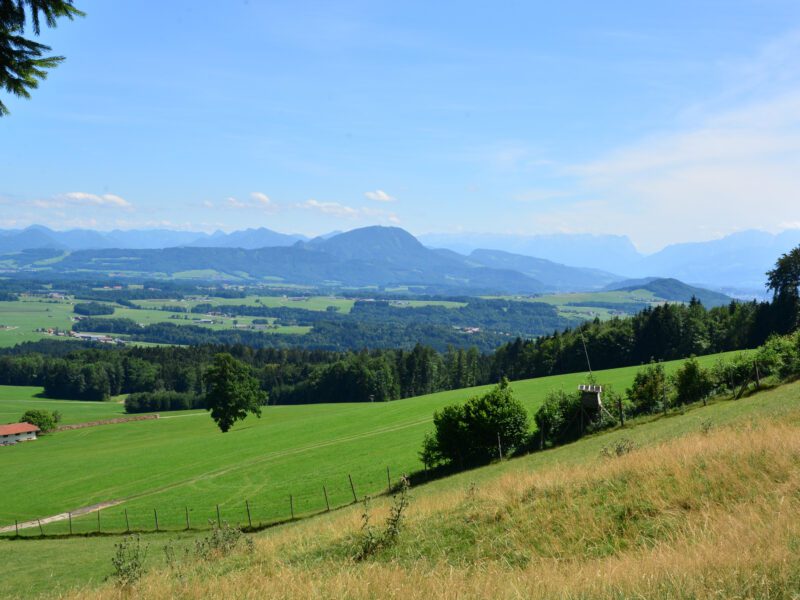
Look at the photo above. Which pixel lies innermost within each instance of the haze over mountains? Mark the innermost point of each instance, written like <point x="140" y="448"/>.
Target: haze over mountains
<point x="519" y="264"/>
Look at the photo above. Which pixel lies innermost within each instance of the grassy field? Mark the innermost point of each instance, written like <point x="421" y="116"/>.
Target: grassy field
<point x="704" y="507"/>
<point x="15" y="400"/>
<point x="181" y="460"/>
<point x="19" y="319"/>
<point x="318" y="303"/>
<point x="577" y="306"/>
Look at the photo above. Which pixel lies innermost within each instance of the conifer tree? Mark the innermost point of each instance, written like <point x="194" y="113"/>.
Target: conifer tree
<point x="22" y="61"/>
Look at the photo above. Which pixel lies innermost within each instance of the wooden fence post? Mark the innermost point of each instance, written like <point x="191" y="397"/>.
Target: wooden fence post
<point x="291" y="505"/>
<point x="249" y="520"/>
<point x="327" y="505"/>
<point x="219" y="520"/>
<point x="188" y="525"/>
<point x="388" y="479"/>
<point x="621" y="413"/>
<point x="16" y="527"/>
<point x="155" y="515"/>
<point x="127" y="522"/>
<point x="69" y="516"/>
<point x="41" y="531"/>
<point x="98" y="520"/>
<point x="499" y="447"/>
<point x="352" y="488"/>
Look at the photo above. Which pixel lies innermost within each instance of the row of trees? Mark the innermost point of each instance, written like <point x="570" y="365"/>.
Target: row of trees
<point x="495" y="424"/>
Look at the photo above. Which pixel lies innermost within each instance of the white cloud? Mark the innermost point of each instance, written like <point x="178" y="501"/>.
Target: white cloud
<point x="336" y="209"/>
<point x="379" y="196"/>
<point x="208" y="204"/>
<point x="331" y="208"/>
<point x="736" y="169"/>
<point x="261" y="198"/>
<point x="84" y="198"/>
<point x="234" y="203"/>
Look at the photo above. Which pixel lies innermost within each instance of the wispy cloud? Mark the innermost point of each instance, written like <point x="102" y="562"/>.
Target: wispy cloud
<point x="379" y="196"/>
<point x="111" y="200"/>
<point x="261" y="198"/>
<point x="343" y="211"/>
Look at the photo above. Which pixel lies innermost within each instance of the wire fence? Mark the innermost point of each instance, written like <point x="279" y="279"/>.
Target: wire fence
<point x="249" y="514"/>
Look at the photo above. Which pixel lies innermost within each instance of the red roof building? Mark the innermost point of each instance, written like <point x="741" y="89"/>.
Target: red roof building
<point x="17" y="432"/>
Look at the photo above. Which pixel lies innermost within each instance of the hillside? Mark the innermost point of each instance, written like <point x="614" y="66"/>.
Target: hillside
<point x="555" y="277"/>
<point x="700" y="495"/>
<point x="672" y="290"/>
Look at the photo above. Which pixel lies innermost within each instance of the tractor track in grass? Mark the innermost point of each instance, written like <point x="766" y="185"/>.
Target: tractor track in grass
<point x="31" y="523"/>
<point x="84" y="510"/>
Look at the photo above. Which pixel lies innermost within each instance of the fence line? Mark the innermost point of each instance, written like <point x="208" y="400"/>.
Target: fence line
<point x="250" y="516"/>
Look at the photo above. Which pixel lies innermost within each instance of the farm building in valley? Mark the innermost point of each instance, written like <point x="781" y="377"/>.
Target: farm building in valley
<point x="17" y="432"/>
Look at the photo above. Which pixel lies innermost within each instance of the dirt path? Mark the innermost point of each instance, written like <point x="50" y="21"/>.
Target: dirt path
<point x="85" y="510"/>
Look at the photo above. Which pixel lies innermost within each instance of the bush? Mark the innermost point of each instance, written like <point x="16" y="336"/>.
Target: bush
<point x="692" y="382"/>
<point x="470" y="433"/>
<point x="371" y="541"/>
<point x="558" y="419"/>
<point x="646" y="395"/>
<point x="128" y="561"/>
<point x="43" y="419"/>
<point x="221" y="541"/>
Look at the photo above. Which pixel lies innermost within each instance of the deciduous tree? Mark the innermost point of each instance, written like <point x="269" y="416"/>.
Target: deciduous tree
<point x="232" y="391"/>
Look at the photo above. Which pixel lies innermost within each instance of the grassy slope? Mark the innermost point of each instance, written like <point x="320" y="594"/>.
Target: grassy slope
<point x="15" y="400"/>
<point x="703" y="515"/>
<point x="183" y="460"/>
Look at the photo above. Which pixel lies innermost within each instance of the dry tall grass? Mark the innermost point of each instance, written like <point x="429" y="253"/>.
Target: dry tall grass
<point x="704" y="516"/>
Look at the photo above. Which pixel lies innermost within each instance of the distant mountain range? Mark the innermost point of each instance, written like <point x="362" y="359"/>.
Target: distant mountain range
<point x="561" y="262"/>
<point x="37" y="237"/>
<point x="735" y="263"/>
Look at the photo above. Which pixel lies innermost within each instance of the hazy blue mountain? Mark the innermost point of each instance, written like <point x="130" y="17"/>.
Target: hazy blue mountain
<point x="556" y="277"/>
<point x="739" y="260"/>
<point x="151" y="238"/>
<point x="248" y="238"/>
<point x="674" y="290"/>
<point x="612" y="253"/>
<point x="33" y="237"/>
<point x="382" y="256"/>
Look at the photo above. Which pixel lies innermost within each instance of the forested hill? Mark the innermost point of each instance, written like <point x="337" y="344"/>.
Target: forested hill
<point x="368" y="257"/>
<point x="672" y="290"/>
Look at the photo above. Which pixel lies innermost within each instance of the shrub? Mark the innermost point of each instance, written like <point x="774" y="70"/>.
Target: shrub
<point x="222" y="540"/>
<point x="128" y="561"/>
<point x="646" y="395"/>
<point x="371" y="541"/>
<point x="469" y="433"/>
<point x="43" y="419"/>
<point x="692" y="382"/>
<point x="558" y="419"/>
<point x="620" y="447"/>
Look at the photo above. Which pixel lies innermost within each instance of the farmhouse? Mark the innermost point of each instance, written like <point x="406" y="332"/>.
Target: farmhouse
<point x="17" y="432"/>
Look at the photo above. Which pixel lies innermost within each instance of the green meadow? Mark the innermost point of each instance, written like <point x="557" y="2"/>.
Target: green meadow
<point x="181" y="461"/>
<point x="20" y="319"/>
<point x="53" y="566"/>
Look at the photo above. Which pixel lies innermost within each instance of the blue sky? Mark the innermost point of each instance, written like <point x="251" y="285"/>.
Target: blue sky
<point x="665" y="122"/>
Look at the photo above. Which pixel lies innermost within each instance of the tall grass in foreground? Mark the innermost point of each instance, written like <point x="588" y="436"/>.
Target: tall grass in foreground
<point x="711" y="514"/>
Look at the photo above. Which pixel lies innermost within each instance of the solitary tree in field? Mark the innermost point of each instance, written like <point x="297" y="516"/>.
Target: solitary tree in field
<point x="232" y="391"/>
<point x="22" y="61"/>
